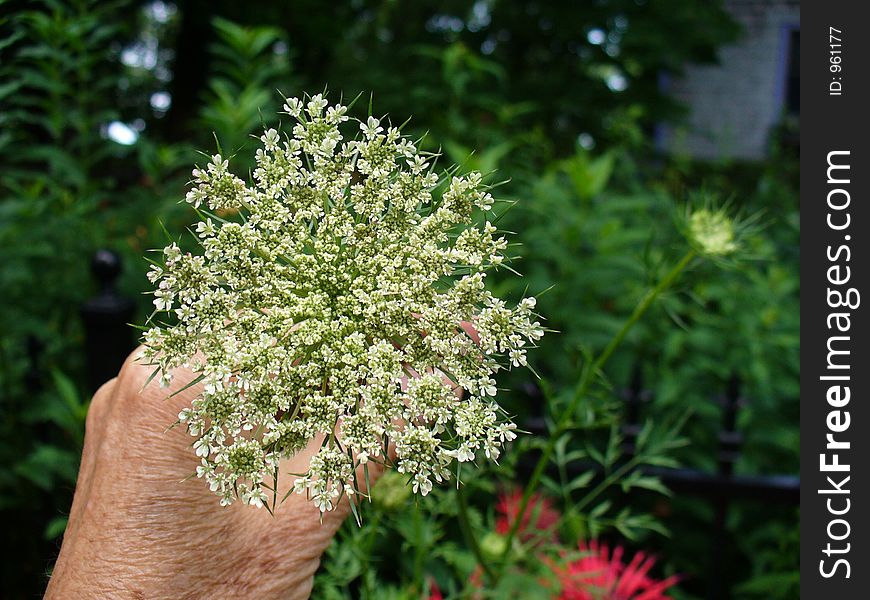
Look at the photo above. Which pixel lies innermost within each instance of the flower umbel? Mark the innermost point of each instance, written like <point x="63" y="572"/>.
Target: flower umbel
<point x="346" y="298"/>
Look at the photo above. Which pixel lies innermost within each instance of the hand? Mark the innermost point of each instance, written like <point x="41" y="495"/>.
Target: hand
<point x="138" y="530"/>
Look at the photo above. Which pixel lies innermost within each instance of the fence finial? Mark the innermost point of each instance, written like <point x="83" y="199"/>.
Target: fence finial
<point x="108" y="337"/>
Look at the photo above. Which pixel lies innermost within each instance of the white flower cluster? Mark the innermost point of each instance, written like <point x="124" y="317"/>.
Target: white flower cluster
<point x="341" y="297"/>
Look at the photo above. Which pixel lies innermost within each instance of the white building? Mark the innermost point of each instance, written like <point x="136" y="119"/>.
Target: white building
<point x="733" y="106"/>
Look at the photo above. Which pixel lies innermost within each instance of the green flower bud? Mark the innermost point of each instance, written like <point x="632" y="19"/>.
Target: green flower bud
<point x="712" y="232"/>
<point x="391" y="493"/>
<point x="493" y="545"/>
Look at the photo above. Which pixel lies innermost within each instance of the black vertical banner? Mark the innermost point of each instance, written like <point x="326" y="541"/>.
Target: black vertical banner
<point x="835" y="370"/>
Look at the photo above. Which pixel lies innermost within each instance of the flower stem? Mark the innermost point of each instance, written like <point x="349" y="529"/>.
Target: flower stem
<point x="468" y="534"/>
<point x="587" y="376"/>
<point x="370" y="540"/>
<point x="419" y="551"/>
<point x="607" y="482"/>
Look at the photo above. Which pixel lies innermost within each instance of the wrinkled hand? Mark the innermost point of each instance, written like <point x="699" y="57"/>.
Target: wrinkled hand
<point x="138" y="530"/>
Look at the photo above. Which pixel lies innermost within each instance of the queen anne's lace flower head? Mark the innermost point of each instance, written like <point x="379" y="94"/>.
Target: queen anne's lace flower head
<point x="712" y="232"/>
<point x="341" y="295"/>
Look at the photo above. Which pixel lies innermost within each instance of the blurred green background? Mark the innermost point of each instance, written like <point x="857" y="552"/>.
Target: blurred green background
<point x="104" y="105"/>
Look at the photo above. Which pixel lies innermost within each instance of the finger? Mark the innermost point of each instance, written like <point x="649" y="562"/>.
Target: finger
<point x="95" y="425"/>
<point x="138" y="428"/>
<point x="468" y="328"/>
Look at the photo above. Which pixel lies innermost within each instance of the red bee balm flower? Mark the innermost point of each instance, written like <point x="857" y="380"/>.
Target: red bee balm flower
<point x="600" y="575"/>
<point x="539" y="516"/>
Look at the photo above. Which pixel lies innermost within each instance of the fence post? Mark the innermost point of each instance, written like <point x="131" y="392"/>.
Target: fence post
<point x="106" y="317"/>
<point x="633" y="399"/>
<point x="33" y="378"/>
<point x="730" y="443"/>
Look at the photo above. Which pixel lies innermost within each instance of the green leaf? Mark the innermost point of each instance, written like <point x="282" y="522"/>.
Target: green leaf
<point x="600" y="509"/>
<point x="55" y="527"/>
<point x="589" y="176"/>
<point x="581" y="481"/>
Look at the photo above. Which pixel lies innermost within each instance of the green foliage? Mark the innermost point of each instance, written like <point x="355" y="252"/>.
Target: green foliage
<point x="65" y="190"/>
<point x="504" y="88"/>
<point x="248" y="66"/>
<point x="485" y="71"/>
<point x="772" y="546"/>
<point x="602" y="251"/>
<point x="48" y="466"/>
<point x="595" y="505"/>
<point x="50" y="182"/>
<point x="55" y="68"/>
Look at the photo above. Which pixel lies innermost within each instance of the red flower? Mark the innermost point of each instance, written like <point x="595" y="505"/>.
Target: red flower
<point x="600" y="575"/>
<point x="539" y="516"/>
<point x="434" y="591"/>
